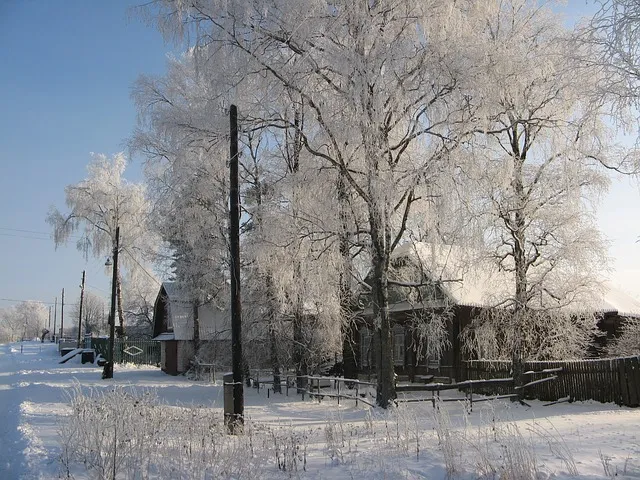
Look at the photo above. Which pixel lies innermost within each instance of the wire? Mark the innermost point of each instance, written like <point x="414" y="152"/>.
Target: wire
<point x="24" y="236"/>
<point x="48" y="234"/>
<point x="143" y="269"/>
<point x="37" y="301"/>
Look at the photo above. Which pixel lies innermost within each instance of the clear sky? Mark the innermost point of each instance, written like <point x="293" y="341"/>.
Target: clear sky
<point x="66" y="70"/>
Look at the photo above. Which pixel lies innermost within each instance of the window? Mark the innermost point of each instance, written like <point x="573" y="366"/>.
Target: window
<point x="398" y="345"/>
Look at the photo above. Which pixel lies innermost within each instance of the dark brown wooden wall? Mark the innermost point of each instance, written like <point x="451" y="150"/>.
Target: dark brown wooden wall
<point x="604" y="380"/>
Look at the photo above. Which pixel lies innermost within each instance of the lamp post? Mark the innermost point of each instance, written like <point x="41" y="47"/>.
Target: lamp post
<point x="108" y="367"/>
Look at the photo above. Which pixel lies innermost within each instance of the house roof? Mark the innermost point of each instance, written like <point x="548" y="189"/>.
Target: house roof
<point x="174" y="292"/>
<point x="470" y="278"/>
<point x="166" y="336"/>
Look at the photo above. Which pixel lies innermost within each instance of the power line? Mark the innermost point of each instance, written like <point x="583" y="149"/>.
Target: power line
<point x="24" y="236"/>
<point x="31" y="300"/>
<point x="19" y="230"/>
<point x="23" y="231"/>
<point x="143" y="269"/>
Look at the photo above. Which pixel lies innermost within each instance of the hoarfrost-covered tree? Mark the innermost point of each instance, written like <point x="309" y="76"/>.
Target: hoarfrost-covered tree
<point x="379" y="80"/>
<point x="612" y="38"/>
<point x="23" y="321"/>
<point x="628" y="343"/>
<point x="94" y="313"/>
<point x="537" y="156"/>
<point x="181" y="131"/>
<point x="98" y="205"/>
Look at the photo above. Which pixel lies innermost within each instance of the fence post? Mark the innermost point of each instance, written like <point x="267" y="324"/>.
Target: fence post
<point x="338" y="385"/>
<point x="357" y="391"/>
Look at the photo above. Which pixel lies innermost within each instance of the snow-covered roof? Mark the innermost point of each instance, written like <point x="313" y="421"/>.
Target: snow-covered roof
<point x="470" y="278"/>
<point x="174" y="292"/>
<point x="616" y="300"/>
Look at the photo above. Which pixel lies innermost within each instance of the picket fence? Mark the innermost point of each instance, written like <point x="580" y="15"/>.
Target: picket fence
<point x="141" y="352"/>
<point x="604" y="380"/>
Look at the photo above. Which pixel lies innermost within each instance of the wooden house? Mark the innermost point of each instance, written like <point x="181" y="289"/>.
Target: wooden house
<point x="454" y="284"/>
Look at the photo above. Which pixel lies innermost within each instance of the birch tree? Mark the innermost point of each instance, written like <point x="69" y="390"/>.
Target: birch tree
<point x="378" y="79"/>
<point x="23" y="321"/>
<point x="99" y="204"/>
<point x="612" y="38"/>
<point x="538" y="155"/>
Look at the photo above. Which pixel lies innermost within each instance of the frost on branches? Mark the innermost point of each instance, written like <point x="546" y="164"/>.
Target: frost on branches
<point x="540" y="148"/>
<point x="98" y="205"/>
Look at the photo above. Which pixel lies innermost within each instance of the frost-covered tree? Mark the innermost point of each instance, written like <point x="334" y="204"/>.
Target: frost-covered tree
<point x="94" y="313"/>
<point x="378" y="79"/>
<point x="23" y="321"/>
<point x="612" y="38"/>
<point x="537" y="160"/>
<point x="181" y="132"/>
<point x="628" y="343"/>
<point x="99" y="204"/>
<point x="181" y="128"/>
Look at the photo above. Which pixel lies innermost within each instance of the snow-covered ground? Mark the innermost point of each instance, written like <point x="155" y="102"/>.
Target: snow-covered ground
<point x="170" y="428"/>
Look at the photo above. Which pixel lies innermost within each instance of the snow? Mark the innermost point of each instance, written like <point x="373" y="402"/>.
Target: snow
<point x="339" y="442"/>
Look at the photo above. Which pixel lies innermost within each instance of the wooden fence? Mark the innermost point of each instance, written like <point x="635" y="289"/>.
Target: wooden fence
<point x="141" y="352"/>
<point x="604" y="380"/>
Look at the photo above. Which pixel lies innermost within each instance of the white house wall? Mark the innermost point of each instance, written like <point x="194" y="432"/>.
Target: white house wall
<point x="182" y="319"/>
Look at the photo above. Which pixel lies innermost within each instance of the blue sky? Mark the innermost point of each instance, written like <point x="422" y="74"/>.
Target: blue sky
<point x="66" y="70"/>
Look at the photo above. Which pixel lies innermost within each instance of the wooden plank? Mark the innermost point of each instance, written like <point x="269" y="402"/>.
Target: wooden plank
<point x="615" y="382"/>
<point x="624" y="391"/>
<point x="634" y="381"/>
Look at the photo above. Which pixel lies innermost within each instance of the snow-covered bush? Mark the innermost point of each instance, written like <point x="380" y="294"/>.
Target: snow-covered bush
<point x="127" y="433"/>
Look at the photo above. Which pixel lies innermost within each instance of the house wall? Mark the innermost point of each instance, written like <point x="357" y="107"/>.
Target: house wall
<point x="448" y="365"/>
<point x="169" y="357"/>
<point x="185" y="353"/>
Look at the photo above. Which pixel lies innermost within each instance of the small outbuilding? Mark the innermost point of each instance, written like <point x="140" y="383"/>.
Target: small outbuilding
<point x="180" y="324"/>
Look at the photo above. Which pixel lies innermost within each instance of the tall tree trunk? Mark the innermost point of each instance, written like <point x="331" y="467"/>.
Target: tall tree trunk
<point x="120" y="309"/>
<point x="299" y="343"/>
<point x="196" y="327"/>
<point x="385" y="389"/>
<point x="349" y="363"/>
<point x="273" y="338"/>
<point x="275" y="359"/>
<point x="518" y="227"/>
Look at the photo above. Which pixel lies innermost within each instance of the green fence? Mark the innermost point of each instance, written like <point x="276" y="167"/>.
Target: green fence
<point x="142" y="352"/>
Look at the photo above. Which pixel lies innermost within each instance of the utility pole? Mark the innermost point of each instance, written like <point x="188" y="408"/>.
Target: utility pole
<point x="80" y="316"/>
<point x="108" y="367"/>
<point x="62" y="316"/>
<point x="49" y="324"/>
<point x="236" y="423"/>
<point x="55" y="319"/>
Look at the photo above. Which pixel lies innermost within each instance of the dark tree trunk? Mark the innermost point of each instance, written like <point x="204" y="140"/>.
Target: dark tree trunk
<point x="517" y="226"/>
<point x="196" y="327"/>
<point x="120" y="309"/>
<point x="299" y="350"/>
<point x="386" y="389"/>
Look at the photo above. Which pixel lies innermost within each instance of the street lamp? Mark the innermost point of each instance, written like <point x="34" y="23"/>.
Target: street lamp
<point x="108" y="366"/>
